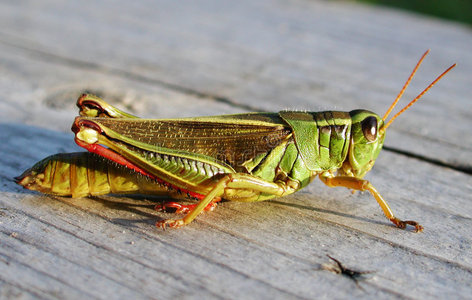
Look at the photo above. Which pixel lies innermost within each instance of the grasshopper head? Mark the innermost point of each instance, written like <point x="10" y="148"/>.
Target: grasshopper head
<point x="368" y="130"/>
<point x="366" y="141"/>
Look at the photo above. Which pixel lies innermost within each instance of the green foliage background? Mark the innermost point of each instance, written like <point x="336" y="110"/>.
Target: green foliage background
<point x="457" y="10"/>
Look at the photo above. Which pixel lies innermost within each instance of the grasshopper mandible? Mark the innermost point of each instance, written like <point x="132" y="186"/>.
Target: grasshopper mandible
<point x="243" y="157"/>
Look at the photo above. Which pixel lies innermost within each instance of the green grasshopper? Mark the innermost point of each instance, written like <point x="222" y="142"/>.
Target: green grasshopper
<point x="242" y="157"/>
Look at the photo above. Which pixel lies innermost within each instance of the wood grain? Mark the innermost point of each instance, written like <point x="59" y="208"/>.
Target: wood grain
<point x="174" y="59"/>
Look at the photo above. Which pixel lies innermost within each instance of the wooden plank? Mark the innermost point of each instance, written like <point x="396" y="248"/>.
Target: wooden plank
<point x="302" y="55"/>
<point x="270" y="249"/>
<point x="212" y="58"/>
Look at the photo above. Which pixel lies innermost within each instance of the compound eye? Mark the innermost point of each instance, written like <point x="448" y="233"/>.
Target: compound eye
<point x="369" y="128"/>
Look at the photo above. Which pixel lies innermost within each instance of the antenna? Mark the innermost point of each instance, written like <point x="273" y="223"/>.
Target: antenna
<point x="407" y="83"/>
<point x="416" y="98"/>
<point x="419" y="96"/>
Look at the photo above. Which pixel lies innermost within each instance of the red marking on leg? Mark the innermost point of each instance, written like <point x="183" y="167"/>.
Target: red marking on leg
<point x="119" y="159"/>
<point x="174" y="207"/>
<point x="79" y="122"/>
<point x="113" y="156"/>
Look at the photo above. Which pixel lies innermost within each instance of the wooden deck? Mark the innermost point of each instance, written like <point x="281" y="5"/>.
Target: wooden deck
<point x="166" y="59"/>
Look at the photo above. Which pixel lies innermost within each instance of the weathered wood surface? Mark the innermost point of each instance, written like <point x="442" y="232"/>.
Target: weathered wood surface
<point x="175" y="59"/>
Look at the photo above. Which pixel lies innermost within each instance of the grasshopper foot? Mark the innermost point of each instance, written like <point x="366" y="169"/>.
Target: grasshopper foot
<point x="177" y="208"/>
<point x="402" y="224"/>
<point x="172" y="207"/>
<point x="170" y="223"/>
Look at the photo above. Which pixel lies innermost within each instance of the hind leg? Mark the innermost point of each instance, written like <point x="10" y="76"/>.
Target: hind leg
<point x="178" y="208"/>
<point x="233" y="181"/>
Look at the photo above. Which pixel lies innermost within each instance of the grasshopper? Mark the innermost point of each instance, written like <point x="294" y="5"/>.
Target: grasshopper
<point x="243" y="157"/>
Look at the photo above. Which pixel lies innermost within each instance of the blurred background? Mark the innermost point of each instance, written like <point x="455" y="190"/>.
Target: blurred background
<point x="456" y="10"/>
